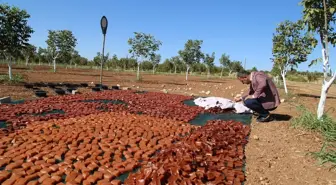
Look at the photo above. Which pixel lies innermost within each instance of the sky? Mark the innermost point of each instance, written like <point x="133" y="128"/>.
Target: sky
<point x="241" y="29"/>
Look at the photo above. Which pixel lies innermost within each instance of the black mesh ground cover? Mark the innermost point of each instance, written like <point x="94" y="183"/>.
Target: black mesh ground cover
<point x="3" y="124"/>
<point x="202" y="118"/>
<point x="124" y="176"/>
<point x="54" y="111"/>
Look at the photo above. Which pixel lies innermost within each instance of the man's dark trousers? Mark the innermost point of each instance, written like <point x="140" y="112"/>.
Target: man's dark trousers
<point x="256" y="106"/>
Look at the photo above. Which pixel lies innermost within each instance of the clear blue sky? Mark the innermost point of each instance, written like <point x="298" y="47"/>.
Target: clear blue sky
<point x="239" y="28"/>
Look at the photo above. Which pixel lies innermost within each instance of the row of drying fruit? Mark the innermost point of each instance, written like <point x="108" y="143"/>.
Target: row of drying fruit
<point x="151" y="103"/>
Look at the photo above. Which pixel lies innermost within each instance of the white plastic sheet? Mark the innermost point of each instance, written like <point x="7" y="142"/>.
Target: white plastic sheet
<point x="223" y="103"/>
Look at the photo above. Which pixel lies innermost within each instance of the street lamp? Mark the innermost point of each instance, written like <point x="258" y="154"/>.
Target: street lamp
<point x="103" y="24"/>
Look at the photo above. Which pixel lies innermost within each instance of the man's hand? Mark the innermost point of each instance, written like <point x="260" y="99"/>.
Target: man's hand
<point x="237" y="99"/>
<point x="249" y="97"/>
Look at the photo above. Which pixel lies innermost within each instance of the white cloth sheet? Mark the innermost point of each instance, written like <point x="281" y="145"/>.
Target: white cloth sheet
<point x="223" y="103"/>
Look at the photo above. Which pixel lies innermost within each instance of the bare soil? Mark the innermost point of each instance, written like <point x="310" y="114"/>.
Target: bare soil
<point x="276" y="152"/>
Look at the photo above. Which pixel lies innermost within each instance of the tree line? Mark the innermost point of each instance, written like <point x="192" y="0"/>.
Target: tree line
<point x="14" y="46"/>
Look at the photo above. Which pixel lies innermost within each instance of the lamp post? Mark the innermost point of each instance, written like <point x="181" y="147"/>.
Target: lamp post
<point x="103" y="24"/>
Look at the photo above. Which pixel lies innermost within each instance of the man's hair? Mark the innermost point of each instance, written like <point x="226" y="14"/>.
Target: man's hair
<point x="243" y="74"/>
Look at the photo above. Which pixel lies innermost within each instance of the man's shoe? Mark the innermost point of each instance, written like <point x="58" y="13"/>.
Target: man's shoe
<point x="262" y="119"/>
<point x="255" y="114"/>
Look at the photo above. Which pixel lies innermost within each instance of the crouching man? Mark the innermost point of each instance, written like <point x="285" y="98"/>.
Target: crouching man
<point x="262" y="96"/>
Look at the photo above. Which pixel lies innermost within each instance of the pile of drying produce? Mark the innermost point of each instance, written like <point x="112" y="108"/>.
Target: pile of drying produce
<point x="212" y="154"/>
<point x="88" y="150"/>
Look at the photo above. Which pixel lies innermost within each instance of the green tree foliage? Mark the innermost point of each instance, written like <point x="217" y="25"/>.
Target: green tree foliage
<point x="166" y="66"/>
<point x="14" y="33"/>
<point x="236" y="66"/>
<point x="209" y="62"/>
<point x="254" y="69"/>
<point x="225" y="62"/>
<point x="176" y="61"/>
<point x="75" y="58"/>
<point x="146" y="65"/>
<point x="128" y="63"/>
<point x="291" y="46"/>
<point x="29" y="52"/>
<point x="61" y="43"/>
<point x="42" y="55"/>
<point x="191" y="54"/>
<point x="98" y="59"/>
<point x="143" y="46"/>
<point x="319" y="16"/>
<point x="275" y="70"/>
<point x="156" y="59"/>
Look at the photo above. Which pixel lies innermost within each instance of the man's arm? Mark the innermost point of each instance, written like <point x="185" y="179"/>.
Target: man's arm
<point x="249" y="92"/>
<point x="262" y="84"/>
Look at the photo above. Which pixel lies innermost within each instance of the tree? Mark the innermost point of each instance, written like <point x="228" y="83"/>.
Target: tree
<point x="225" y="62"/>
<point x="155" y="61"/>
<point x="176" y="61"/>
<point x="191" y="54"/>
<point x="14" y="33"/>
<point x="113" y="63"/>
<point x="42" y="55"/>
<point x="60" y="43"/>
<point x="75" y="58"/>
<point x="236" y="66"/>
<point x="291" y="47"/>
<point x="144" y="46"/>
<point x="319" y="15"/>
<point x="166" y="66"/>
<point x="209" y="62"/>
<point x="254" y="69"/>
<point x="28" y="52"/>
<point x="98" y="59"/>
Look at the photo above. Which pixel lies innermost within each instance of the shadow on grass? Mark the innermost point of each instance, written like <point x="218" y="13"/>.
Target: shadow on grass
<point x="314" y="96"/>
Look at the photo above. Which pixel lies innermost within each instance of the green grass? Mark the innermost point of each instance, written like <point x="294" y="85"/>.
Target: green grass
<point x="17" y="78"/>
<point x="326" y="154"/>
<point x="296" y="78"/>
<point x="326" y="126"/>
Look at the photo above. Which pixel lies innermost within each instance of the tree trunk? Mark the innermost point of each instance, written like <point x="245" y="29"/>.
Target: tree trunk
<point x="175" y="68"/>
<point x="54" y="62"/>
<point x="325" y="57"/>
<point x="39" y="61"/>
<point x="138" y="72"/>
<point x="222" y="72"/>
<point x="187" y="73"/>
<point x="27" y="60"/>
<point x="283" y="75"/>
<point x="153" y="69"/>
<point x="10" y="68"/>
<point x="320" y="108"/>
<point x="208" y="76"/>
<point x="324" y="92"/>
